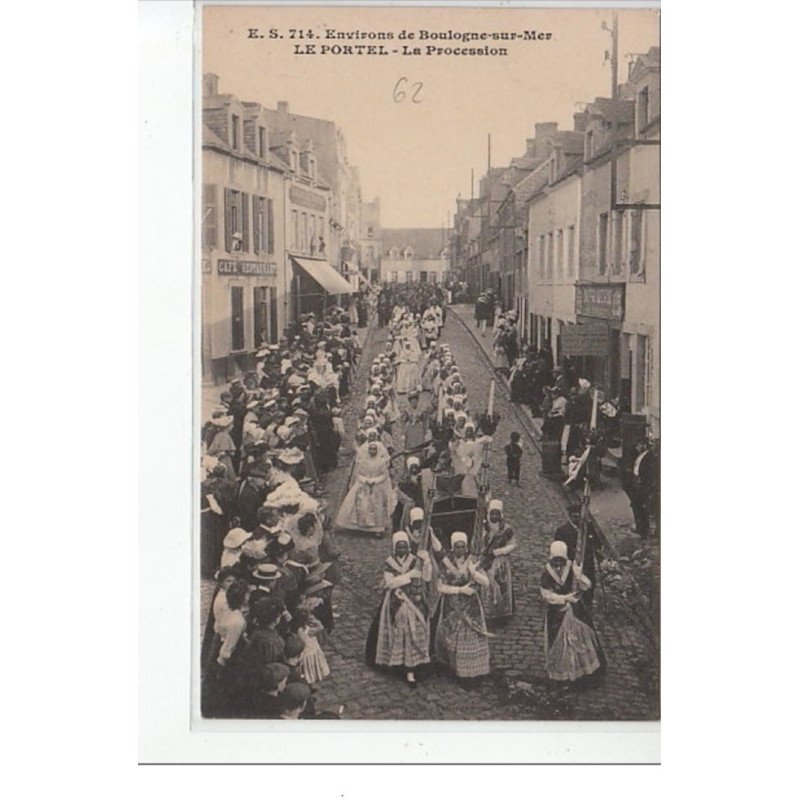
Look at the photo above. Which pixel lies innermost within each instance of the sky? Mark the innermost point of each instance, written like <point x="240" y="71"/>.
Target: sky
<point x="417" y="156"/>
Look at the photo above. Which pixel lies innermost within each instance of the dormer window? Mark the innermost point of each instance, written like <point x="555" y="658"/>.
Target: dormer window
<point x="294" y="160"/>
<point x="234" y="132"/>
<point x="553" y="169"/>
<point x="312" y="167"/>
<point x="262" y="142"/>
<point x="589" y="145"/>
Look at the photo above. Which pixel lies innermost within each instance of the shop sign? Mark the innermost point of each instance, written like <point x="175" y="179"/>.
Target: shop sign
<point x="600" y="300"/>
<point x="247" y="268"/>
<point x="305" y="198"/>
<point x="590" y="339"/>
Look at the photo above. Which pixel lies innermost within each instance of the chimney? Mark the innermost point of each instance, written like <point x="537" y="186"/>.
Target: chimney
<point x="579" y="121"/>
<point x="542" y="132"/>
<point x="283" y="107"/>
<point x="210" y="83"/>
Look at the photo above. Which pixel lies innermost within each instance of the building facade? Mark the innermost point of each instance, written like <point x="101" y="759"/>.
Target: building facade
<point x="242" y="236"/>
<point x="415" y="255"/>
<point x="554" y="240"/>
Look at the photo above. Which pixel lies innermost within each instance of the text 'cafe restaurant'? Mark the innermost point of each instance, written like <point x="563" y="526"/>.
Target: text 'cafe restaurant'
<point x="240" y="314"/>
<point x="244" y="307"/>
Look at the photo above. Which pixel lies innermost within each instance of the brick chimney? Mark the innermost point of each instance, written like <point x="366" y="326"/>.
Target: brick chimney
<point x="210" y="84"/>
<point x="579" y="121"/>
<point x="283" y="107"/>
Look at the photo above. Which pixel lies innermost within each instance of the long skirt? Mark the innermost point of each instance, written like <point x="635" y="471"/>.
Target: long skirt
<point x="460" y="640"/>
<point x="498" y="596"/>
<point x="405" y="640"/>
<point x="408" y="377"/>
<point x="500" y="358"/>
<point x="367" y="508"/>
<point x="572" y="650"/>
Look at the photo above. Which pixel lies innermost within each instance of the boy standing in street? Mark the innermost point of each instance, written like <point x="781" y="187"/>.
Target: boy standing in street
<point x="513" y="458"/>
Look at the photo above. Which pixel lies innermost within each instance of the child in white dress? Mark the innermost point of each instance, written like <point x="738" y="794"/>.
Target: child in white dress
<point x="313" y="663"/>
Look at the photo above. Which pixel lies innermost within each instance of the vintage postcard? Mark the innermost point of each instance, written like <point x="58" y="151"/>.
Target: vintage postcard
<point x="428" y="273"/>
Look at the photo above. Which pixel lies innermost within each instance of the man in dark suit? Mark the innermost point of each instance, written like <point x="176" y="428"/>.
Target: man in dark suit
<point x="568" y="533"/>
<point x="640" y="485"/>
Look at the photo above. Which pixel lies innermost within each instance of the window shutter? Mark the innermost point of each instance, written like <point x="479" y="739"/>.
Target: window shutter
<point x="209" y="212"/>
<point x="245" y="222"/>
<point x="624" y="256"/>
<point x="256" y="230"/>
<point x="599" y="242"/>
<point x="642" y="240"/>
<point x="270" y="228"/>
<point x="228" y="220"/>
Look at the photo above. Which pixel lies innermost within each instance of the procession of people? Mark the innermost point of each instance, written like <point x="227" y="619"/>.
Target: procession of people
<point x="268" y="541"/>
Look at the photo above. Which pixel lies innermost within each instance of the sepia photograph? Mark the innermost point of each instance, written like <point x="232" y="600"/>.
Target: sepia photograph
<point x="428" y="420"/>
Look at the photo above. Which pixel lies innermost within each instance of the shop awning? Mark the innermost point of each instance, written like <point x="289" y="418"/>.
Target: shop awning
<point x="325" y="275"/>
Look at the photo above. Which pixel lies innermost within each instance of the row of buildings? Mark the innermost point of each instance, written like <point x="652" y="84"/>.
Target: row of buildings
<point x="568" y="235"/>
<point x="284" y="228"/>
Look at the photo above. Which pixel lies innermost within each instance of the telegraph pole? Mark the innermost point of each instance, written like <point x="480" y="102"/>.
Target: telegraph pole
<point x="614" y="98"/>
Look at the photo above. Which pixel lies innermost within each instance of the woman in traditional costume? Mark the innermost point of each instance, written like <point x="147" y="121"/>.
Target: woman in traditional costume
<point x="461" y="640"/>
<point x="415" y="423"/>
<point x="400" y="634"/>
<point x="371" y="500"/>
<point x="493" y="546"/>
<point x="572" y="650"/>
<point x="432" y="367"/>
<point x="408" y="378"/>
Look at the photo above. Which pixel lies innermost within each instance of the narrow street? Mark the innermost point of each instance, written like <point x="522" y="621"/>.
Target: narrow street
<point x="516" y="688"/>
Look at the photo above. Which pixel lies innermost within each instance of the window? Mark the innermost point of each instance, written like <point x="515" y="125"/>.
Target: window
<point x="304" y="233"/>
<point x="409" y="276"/>
<point x="258" y="223"/>
<point x="369" y="232"/>
<point x="234" y="132"/>
<point x="209" y="215"/>
<point x="260" y="316"/>
<point x="295" y="230"/>
<point x="589" y="145"/>
<point x="553" y="169"/>
<point x="570" y="247"/>
<point x="293" y="160"/>
<point x="540" y="256"/>
<point x="642" y="108"/>
<point x="559" y="260"/>
<point x="602" y="243"/>
<point x="636" y="249"/>
<point x="262" y="142"/>
<point x="312" y="167"/>
<point x="235" y="221"/>
<point x="549" y="256"/>
<point x="618" y="252"/>
<point x="237" y="318"/>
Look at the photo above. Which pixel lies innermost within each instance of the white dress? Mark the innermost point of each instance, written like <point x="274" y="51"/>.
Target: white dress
<point x="313" y="663"/>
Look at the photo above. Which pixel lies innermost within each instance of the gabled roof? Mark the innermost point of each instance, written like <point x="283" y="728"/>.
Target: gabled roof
<point x="651" y="60"/>
<point x="621" y="111"/>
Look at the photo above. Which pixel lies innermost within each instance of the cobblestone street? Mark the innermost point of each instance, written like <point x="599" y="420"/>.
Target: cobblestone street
<point x="516" y="689"/>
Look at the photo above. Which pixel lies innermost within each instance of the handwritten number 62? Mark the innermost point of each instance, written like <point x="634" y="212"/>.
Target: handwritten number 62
<point x="399" y="95"/>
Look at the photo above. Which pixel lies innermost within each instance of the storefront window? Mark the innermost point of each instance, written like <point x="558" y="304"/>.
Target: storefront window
<point x="260" y="316"/>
